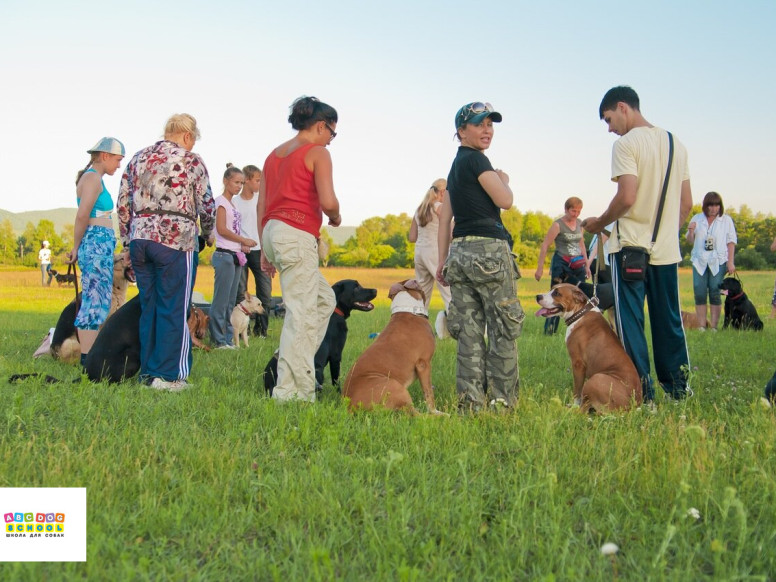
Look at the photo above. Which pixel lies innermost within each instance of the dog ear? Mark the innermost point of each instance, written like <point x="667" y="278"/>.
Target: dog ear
<point x="395" y="289"/>
<point x="579" y="295"/>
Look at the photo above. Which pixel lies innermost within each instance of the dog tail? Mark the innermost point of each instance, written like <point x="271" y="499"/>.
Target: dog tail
<point x="46" y="378"/>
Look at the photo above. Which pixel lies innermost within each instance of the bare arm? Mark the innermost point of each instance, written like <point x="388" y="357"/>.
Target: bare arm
<point x="261" y="208"/>
<point x="731" y="263"/>
<point x="618" y="207"/>
<point x="551" y="235"/>
<point x="320" y="160"/>
<point x="88" y="189"/>
<point x="685" y="203"/>
<point x="444" y="235"/>
<point x="691" y="232"/>
<point x="224" y="231"/>
<point x="413" y="235"/>
<point x="496" y="184"/>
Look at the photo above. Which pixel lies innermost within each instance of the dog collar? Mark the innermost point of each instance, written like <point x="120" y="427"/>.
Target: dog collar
<point x="403" y="302"/>
<point x="339" y="312"/>
<point x="591" y="304"/>
<point x="242" y="308"/>
<point x="736" y="296"/>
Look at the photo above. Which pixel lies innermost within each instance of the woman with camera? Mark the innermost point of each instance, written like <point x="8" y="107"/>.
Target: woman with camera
<point x="713" y="237"/>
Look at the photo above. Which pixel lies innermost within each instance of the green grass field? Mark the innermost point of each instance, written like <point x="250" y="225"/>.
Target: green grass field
<point x="221" y="483"/>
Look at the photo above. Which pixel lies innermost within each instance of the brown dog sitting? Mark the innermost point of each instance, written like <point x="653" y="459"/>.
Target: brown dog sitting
<point x="399" y="355"/>
<point x="604" y="376"/>
<point x="690" y="320"/>
<point x="197" y="322"/>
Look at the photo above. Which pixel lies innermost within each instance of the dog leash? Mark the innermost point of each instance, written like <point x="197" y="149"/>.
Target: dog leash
<point x="737" y="278"/>
<point x="74" y="267"/>
<point x="599" y="259"/>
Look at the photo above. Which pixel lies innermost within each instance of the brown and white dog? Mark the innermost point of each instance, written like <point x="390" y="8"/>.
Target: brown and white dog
<point x="604" y="376"/>
<point x="241" y="317"/>
<point x="198" y="321"/>
<point x="123" y="275"/>
<point x="690" y="320"/>
<point x="62" y="341"/>
<point x="400" y="354"/>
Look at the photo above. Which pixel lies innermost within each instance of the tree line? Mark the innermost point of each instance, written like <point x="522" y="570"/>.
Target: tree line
<point x="382" y="241"/>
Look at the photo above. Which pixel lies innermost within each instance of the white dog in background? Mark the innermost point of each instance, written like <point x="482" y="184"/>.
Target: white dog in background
<point x="241" y="317"/>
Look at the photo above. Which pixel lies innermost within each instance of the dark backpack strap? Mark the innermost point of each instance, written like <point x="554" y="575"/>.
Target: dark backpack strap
<point x="665" y="186"/>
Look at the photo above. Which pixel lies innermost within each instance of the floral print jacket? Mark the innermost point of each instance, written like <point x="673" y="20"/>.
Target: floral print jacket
<point x="164" y="189"/>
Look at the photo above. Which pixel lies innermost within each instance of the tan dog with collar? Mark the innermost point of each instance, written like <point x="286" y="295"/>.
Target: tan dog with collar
<point x="604" y="376"/>
<point x="241" y="317"/>
<point x="400" y="354"/>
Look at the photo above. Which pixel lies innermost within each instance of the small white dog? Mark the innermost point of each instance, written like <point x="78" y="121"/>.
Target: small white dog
<point x="241" y="316"/>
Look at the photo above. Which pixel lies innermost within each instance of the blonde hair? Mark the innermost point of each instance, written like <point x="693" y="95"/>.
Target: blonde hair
<point x="94" y="158"/>
<point x="181" y="123"/>
<point x="426" y="207"/>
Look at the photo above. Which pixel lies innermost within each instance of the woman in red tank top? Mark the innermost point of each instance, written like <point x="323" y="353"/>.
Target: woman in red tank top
<point x="296" y="190"/>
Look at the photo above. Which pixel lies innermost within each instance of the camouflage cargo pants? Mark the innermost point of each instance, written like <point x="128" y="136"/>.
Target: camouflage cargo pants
<point x="483" y="279"/>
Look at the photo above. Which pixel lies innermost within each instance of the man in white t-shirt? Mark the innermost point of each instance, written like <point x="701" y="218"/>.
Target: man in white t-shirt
<point x="246" y="204"/>
<point x="44" y="257"/>
<point x="639" y="161"/>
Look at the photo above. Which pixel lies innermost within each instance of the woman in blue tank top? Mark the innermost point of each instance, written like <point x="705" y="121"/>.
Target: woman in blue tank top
<point x="94" y="240"/>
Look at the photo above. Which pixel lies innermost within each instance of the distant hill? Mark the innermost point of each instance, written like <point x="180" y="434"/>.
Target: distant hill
<point x="59" y="216"/>
<point x="341" y="234"/>
<point x="63" y="216"/>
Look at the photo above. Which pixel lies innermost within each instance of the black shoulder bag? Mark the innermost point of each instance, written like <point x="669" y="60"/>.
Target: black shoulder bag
<point x="635" y="259"/>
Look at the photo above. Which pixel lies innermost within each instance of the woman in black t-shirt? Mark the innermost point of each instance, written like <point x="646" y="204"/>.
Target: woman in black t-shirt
<point x="480" y="268"/>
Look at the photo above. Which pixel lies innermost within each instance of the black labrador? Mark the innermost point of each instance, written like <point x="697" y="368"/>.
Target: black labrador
<point x="740" y="312"/>
<point x="350" y="296"/>
<point x="115" y="354"/>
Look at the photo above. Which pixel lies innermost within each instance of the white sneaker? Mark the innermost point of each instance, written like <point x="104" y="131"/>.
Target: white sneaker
<point x="169" y="385"/>
<point x="227" y="347"/>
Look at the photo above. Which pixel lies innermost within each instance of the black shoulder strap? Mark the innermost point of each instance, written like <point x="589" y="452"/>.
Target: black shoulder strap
<point x="665" y="186"/>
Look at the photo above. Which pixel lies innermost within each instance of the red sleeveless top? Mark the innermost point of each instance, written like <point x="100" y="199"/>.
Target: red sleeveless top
<point x="291" y="194"/>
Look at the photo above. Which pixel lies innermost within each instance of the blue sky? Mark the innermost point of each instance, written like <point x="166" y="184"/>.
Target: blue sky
<point x="396" y="72"/>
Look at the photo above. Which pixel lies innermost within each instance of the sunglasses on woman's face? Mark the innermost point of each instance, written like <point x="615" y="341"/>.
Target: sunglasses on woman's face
<point x="331" y="131"/>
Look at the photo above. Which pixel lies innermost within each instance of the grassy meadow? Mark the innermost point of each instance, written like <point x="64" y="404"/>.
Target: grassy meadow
<point x="222" y="483"/>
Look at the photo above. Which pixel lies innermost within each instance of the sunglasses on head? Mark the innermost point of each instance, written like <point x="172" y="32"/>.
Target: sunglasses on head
<point x="477" y="108"/>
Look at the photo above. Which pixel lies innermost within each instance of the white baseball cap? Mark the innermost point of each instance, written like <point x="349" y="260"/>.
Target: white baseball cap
<point x="109" y="145"/>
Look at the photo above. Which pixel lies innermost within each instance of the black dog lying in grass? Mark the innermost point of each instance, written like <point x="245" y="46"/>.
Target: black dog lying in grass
<point x="115" y="354"/>
<point x="350" y="296"/>
<point x="739" y="311"/>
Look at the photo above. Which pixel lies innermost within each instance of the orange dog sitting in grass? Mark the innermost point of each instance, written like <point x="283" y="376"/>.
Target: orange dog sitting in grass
<point x="400" y="354"/>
